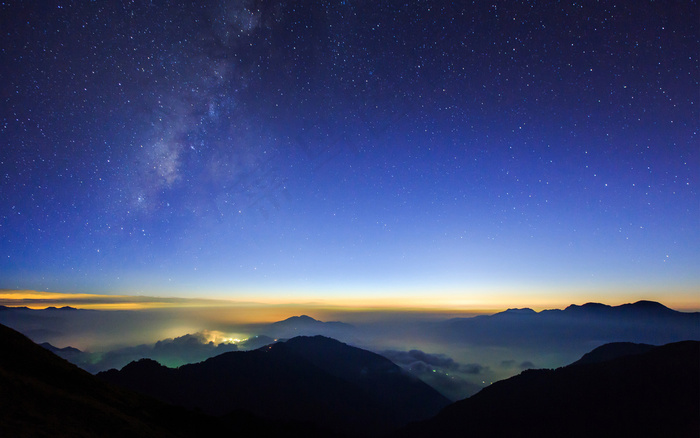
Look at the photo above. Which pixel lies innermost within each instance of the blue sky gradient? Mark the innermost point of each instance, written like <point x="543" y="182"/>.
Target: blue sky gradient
<point x="350" y="150"/>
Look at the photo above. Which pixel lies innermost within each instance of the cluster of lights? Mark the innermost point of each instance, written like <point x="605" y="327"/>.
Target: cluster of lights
<point x="218" y="337"/>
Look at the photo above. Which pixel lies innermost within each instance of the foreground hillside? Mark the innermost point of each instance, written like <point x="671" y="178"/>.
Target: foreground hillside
<point x="616" y="390"/>
<point x="312" y="379"/>
<point x="42" y="395"/>
<point x="652" y="394"/>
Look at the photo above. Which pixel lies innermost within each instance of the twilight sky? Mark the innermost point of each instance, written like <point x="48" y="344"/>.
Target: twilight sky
<point x="424" y="152"/>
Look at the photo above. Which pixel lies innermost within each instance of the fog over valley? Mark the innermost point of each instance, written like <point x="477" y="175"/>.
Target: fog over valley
<point x="457" y="356"/>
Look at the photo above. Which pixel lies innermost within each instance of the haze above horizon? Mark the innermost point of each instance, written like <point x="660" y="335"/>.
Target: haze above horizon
<point x="270" y="310"/>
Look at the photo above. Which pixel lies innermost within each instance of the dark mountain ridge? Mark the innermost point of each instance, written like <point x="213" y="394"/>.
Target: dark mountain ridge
<point x="639" y="308"/>
<point x="653" y="394"/>
<point x="42" y="395"/>
<point x="618" y="389"/>
<point x="613" y="351"/>
<point x="305" y="325"/>
<point x="58" y="351"/>
<point x="576" y="326"/>
<point x="314" y="379"/>
<point x="47" y="309"/>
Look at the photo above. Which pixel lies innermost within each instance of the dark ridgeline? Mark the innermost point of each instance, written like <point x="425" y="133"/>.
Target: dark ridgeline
<point x="576" y="327"/>
<point x="311" y="379"/>
<point x="304" y="325"/>
<point x="648" y="393"/>
<point x="319" y="387"/>
<point x="613" y="351"/>
<point x="567" y="333"/>
<point x="42" y="395"/>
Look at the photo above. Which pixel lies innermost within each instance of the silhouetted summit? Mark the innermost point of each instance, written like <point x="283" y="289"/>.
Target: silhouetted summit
<point x="652" y="394"/>
<point x="307" y="326"/>
<point x="42" y="395"/>
<point x="301" y="319"/>
<point x="613" y="351"/>
<point x="576" y="327"/>
<point x="650" y="308"/>
<point x="314" y="379"/>
<point x="13" y="308"/>
<point x="71" y="354"/>
<point x="524" y="311"/>
<point x="306" y="321"/>
<point x="57" y="350"/>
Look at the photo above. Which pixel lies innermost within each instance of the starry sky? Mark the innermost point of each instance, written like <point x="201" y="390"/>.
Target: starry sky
<point x="463" y="153"/>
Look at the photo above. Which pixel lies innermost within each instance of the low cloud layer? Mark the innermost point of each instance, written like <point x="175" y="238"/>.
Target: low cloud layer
<point x="524" y="365"/>
<point x="172" y="352"/>
<point x="439" y="370"/>
<point x="413" y="356"/>
<point x="419" y="360"/>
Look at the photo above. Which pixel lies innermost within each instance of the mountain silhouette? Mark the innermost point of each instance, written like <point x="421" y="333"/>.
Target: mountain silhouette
<point x="43" y="395"/>
<point x="652" y="394"/>
<point x="13" y="308"/>
<point x="172" y="352"/>
<point x="311" y="379"/>
<point x="577" y="327"/>
<point x="71" y="354"/>
<point x="613" y="351"/>
<point x="305" y="325"/>
<point x="59" y="351"/>
<point x="640" y="308"/>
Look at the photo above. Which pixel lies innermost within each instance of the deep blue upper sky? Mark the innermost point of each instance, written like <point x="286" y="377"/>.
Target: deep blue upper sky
<point x="349" y="148"/>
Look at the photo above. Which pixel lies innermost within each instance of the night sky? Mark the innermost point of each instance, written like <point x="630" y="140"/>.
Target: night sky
<point x="464" y="153"/>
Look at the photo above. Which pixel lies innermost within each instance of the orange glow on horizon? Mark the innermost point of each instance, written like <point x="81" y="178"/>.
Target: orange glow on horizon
<point x="448" y="303"/>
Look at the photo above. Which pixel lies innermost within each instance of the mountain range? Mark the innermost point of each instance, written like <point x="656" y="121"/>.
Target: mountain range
<point x="582" y="326"/>
<point x="616" y="390"/>
<point x="313" y="379"/>
<point x="457" y="356"/>
<point x="619" y="389"/>
<point x="305" y="325"/>
<point x="43" y="395"/>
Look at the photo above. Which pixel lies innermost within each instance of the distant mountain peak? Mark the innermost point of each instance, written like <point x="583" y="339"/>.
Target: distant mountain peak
<point x="48" y="309"/>
<point x="523" y="311"/>
<point x="306" y="325"/>
<point x="14" y="308"/>
<point x="66" y="308"/>
<point x="588" y="306"/>
<point x="65" y="350"/>
<point x="300" y="318"/>
<point x="644" y="306"/>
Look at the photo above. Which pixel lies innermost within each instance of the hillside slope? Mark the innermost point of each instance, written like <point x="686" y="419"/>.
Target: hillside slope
<point x="652" y="394"/>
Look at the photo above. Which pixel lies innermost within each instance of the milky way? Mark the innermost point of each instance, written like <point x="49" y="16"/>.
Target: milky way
<point x="350" y="148"/>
